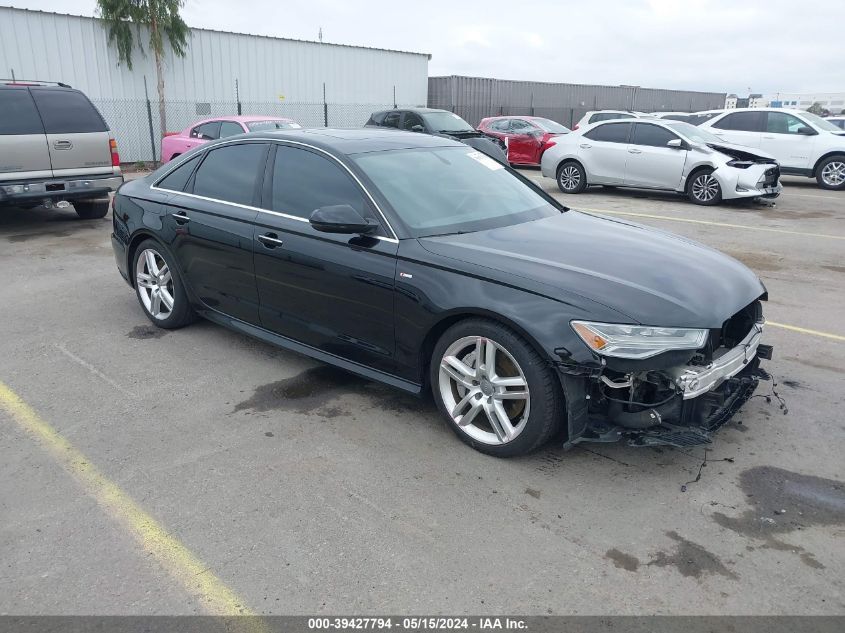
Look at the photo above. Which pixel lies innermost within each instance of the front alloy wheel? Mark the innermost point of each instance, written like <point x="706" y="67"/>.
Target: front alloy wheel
<point x="496" y="392"/>
<point x="484" y="390"/>
<point x="705" y="189"/>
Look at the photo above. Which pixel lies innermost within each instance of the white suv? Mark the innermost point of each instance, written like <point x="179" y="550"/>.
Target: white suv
<point x="803" y="143"/>
<point x="594" y="116"/>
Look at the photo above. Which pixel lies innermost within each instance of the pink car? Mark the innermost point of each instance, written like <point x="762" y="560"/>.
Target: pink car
<point x="175" y="143"/>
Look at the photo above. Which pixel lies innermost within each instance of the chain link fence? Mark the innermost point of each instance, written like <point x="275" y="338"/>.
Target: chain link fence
<point x="136" y="127"/>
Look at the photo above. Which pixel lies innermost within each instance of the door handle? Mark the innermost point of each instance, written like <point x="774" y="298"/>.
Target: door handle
<point x="585" y="146"/>
<point x="634" y="150"/>
<point x="62" y="145"/>
<point x="180" y="217"/>
<point x="768" y="137"/>
<point x="270" y="240"/>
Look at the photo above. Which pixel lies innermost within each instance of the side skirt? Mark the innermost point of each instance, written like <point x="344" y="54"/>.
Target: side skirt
<point x="306" y="350"/>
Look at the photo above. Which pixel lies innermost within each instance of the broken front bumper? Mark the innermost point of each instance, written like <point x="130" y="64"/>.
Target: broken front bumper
<point x="757" y="181"/>
<point x="706" y="396"/>
<point x="694" y="380"/>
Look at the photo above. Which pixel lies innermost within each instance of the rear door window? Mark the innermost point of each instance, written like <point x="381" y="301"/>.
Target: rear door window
<point x="391" y="119"/>
<point x="651" y="135"/>
<point x="610" y="133"/>
<point x="230" y="173"/>
<point x="743" y="122"/>
<point x="19" y="115"/>
<point x="67" y="112"/>
<point x="230" y="128"/>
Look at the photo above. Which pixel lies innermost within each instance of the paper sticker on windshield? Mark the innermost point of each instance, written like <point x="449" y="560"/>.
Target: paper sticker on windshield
<point x="485" y="160"/>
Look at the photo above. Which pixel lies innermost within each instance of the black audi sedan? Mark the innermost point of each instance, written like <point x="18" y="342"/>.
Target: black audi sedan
<point x="422" y="263"/>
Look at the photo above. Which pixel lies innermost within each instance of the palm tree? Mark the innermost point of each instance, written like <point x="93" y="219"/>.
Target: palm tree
<point x="162" y="19"/>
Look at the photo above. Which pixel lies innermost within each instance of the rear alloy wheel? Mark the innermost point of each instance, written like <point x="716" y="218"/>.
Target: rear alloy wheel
<point x="704" y="188"/>
<point x="497" y="393"/>
<point x="91" y="209"/>
<point x="831" y="173"/>
<point x="159" y="288"/>
<point x="571" y="178"/>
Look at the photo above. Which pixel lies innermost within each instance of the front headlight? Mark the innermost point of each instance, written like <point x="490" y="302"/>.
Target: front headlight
<point x="636" y="341"/>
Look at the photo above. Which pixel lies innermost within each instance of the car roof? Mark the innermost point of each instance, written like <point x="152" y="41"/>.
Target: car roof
<point x="240" y="118"/>
<point x="356" y="141"/>
<point x="22" y="83"/>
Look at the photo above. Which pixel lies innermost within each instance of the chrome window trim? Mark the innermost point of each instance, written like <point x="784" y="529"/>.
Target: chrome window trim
<point x="155" y="186"/>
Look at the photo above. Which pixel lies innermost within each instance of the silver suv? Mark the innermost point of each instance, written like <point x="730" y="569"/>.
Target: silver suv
<point x="55" y="147"/>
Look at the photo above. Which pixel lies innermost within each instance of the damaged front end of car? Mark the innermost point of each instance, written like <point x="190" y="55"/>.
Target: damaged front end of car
<point x="663" y="386"/>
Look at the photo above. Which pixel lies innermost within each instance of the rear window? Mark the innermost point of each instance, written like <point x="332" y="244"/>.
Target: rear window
<point x="67" y="112"/>
<point x="178" y="178"/>
<point x="19" y="113"/>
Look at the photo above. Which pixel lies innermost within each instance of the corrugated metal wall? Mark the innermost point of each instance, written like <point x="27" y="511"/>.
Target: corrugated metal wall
<point x="75" y="50"/>
<point x="474" y="98"/>
<point x="276" y="77"/>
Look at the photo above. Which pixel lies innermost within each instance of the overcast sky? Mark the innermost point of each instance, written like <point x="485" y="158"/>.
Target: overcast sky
<point x="766" y="46"/>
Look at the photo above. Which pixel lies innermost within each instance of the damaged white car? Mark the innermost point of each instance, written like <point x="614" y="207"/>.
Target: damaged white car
<point x="661" y="154"/>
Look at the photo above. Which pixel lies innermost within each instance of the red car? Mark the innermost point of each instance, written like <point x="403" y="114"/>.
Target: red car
<point x="527" y="137"/>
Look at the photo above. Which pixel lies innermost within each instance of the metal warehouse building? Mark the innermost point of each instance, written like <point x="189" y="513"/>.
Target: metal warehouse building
<point x="474" y="98"/>
<point x="274" y="76"/>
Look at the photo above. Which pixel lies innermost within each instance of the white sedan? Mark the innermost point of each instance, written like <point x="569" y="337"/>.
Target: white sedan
<point x="661" y="154"/>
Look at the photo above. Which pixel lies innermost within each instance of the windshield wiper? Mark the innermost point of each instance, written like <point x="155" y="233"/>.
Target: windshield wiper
<point x="455" y="131"/>
<point x="449" y="233"/>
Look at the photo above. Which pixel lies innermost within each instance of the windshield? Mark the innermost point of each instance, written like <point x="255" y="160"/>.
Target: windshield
<point x="693" y="133"/>
<point x="550" y="126"/>
<point x="446" y="122"/>
<point x="820" y="122"/>
<point x="452" y="190"/>
<point x="259" y="126"/>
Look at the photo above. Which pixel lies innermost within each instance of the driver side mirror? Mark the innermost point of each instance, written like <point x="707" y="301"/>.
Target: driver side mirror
<point x="806" y="131"/>
<point x="417" y="128"/>
<point x="341" y="218"/>
<point x="675" y="143"/>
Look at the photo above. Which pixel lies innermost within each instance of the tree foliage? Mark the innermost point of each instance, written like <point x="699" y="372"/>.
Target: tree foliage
<point x="161" y="17"/>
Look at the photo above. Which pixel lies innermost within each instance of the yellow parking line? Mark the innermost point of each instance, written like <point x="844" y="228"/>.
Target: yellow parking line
<point x="710" y="223"/>
<point x="803" y="330"/>
<point x="177" y="559"/>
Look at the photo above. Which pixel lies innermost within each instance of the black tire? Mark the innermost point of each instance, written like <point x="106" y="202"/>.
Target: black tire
<point x="826" y="180"/>
<point x="703" y="188"/>
<point x="91" y="209"/>
<point x="181" y="313"/>
<point x="545" y="401"/>
<point x="571" y="177"/>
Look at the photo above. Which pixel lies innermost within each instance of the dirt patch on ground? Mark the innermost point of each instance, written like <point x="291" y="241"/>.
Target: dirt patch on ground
<point x="691" y="559"/>
<point x="308" y="390"/>
<point x="144" y="332"/>
<point x="623" y="560"/>
<point x="782" y="501"/>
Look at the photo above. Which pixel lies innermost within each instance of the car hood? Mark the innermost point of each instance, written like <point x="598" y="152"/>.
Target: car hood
<point x="653" y="277"/>
<point x="479" y="141"/>
<point x="742" y="152"/>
